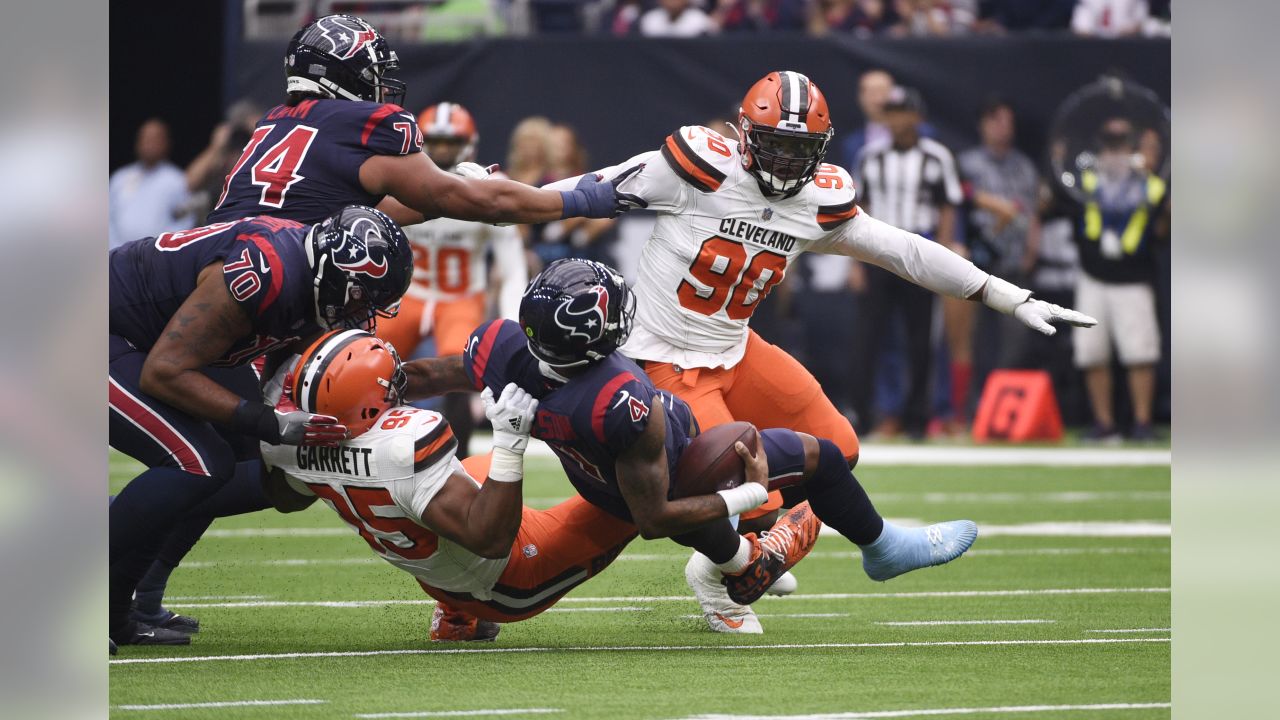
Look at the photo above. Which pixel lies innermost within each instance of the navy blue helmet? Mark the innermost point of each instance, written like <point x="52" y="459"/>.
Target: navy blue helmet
<point x="342" y="56"/>
<point x="362" y="264"/>
<point x="576" y="312"/>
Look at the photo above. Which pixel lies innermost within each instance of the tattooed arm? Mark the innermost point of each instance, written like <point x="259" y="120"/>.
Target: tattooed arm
<point x="204" y="328"/>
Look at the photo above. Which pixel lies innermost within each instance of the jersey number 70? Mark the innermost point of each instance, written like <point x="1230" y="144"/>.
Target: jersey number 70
<point x="719" y="265"/>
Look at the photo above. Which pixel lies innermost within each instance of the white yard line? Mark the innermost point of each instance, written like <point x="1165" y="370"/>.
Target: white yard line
<point x="882" y="454"/>
<point x="629" y="648"/>
<point x="1130" y="630"/>
<point x="462" y="713"/>
<point x="1056" y="498"/>
<point x="652" y="557"/>
<point x="929" y="712"/>
<point x="687" y="598"/>
<point x="179" y="598"/>
<point x="1135" y="528"/>
<point x="226" y="704"/>
<point x="919" y="623"/>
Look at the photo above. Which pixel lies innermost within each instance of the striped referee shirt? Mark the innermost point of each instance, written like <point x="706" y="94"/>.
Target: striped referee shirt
<point x="908" y="188"/>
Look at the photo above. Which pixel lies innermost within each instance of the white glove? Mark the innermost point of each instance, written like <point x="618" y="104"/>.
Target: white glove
<point x="1037" y="314"/>
<point x="512" y="417"/>
<point x="1012" y="300"/>
<point x="473" y="170"/>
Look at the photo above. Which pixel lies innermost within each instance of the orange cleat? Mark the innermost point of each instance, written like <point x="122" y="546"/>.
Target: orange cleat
<point x="775" y="552"/>
<point x="449" y="625"/>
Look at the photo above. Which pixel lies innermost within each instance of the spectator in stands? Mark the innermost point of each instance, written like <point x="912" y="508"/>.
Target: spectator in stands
<point x="676" y="18"/>
<point x="1123" y="213"/>
<point x="860" y="17"/>
<point x="759" y="15"/>
<point x="527" y="150"/>
<point x="1109" y="18"/>
<point x="148" y="196"/>
<point x="873" y="89"/>
<point x="565" y="157"/>
<point x="910" y="183"/>
<point x="939" y="18"/>
<point x="1001" y="192"/>
<point x="206" y="173"/>
<point x="626" y="17"/>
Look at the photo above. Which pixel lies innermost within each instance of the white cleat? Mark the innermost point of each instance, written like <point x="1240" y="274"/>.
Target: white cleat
<point x="784" y="585"/>
<point x="722" y="614"/>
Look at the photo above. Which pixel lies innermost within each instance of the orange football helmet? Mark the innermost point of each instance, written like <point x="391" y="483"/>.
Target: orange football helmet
<point x="448" y="124"/>
<point x="785" y="128"/>
<point x="350" y="375"/>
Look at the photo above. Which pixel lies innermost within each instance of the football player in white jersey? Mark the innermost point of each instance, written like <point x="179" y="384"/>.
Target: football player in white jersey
<point x="448" y="296"/>
<point x="473" y="547"/>
<point x="732" y="217"/>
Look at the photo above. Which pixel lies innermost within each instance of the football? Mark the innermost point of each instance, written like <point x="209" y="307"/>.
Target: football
<point x="710" y="463"/>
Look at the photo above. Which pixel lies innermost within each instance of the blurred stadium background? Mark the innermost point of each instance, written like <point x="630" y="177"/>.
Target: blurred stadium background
<point x="606" y="79"/>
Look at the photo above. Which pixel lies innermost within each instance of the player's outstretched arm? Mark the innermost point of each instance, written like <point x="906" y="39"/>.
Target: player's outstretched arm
<point x="485" y="520"/>
<point x="643" y="480"/>
<point x="930" y="265"/>
<point x="429" y="377"/>
<point x="417" y="183"/>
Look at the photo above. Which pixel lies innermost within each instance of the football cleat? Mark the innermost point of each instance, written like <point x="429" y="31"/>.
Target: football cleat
<point x="774" y="553"/>
<point x="138" y="633"/>
<point x="449" y="625"/>
<point x="900" y="550"/>
<point x="112" y="647"/>
<point x="721" y="613"/>
<point x="783" y="586"/>
<point x="167" y="619"/>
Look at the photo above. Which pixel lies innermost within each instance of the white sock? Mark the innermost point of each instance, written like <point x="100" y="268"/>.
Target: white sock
<point x="738" y="562"/>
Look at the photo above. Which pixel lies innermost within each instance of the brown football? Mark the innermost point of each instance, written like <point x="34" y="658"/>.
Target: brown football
<point x="710" y="463"/>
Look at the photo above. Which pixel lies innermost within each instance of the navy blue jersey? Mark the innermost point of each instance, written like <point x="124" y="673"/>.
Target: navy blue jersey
<point x="303" y="162"/>
<point x="588" y="421"/>
<point x="264" y="264"/>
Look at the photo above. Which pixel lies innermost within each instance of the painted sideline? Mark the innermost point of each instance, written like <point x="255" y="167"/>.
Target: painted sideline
<point x="462" y="713"/>
<point x="927" y="712"/>
<point x="225" y="704"/>
<point x="687" y="598"/>
<point x="629" y="648"/>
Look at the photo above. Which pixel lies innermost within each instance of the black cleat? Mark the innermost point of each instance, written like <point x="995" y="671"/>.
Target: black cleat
<point x="137" y="633"/>
<point x="112" y="647"/>
<point x="167" y="619"/>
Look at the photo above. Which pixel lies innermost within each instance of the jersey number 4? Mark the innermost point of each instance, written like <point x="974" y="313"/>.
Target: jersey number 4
<point x="277" y="170"/>
<point x="731" y="282"/>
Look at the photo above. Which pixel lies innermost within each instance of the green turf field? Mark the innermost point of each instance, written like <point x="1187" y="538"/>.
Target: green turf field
<point x="1029" y="624"/>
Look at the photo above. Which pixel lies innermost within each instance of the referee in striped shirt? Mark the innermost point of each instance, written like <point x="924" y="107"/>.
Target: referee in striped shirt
<point x="910" y="182"/>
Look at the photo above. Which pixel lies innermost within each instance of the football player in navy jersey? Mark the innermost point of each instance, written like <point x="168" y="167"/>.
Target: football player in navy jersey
<point x="619" y="438"/>
<point x="340" y="139"/>
<point x="221" y="296"/>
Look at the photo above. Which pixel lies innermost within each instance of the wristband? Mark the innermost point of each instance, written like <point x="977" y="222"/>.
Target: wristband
<point x="506" y="466"/>
<point x="746" y="496"/>
<point x="258" y="420"/>
<point x="1003" y="296"/>
<point x="573" y="206"/>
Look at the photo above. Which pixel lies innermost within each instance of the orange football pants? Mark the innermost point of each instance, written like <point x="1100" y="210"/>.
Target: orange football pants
<point x="555" y="551"/>
<point x="450" y="321"/>
<point x="767" y="388"/>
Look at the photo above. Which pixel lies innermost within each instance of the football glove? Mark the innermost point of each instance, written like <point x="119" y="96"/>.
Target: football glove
<point x="512" y="417"/>
<point x="1010" y="299"/>
<point x="593" y="197"/>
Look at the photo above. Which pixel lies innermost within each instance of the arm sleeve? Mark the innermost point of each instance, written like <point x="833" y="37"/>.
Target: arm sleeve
<point x="494" y="354"/>
<point x="254" y="274"/>
<point x="508" y="257"/>
<point x="656" y="183"/>
<point x="907" y="255"/>
<point x="625" y="417"/>
<point x="414" y="494"/>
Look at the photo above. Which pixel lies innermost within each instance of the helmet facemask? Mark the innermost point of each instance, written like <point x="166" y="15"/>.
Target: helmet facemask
<point x="783" y="161"/>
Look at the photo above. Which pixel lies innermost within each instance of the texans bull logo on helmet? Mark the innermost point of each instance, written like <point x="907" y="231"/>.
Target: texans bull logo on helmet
<point x="347" y="35"/>
<point x="353" y="254"/>
<point x="584" y="316"/>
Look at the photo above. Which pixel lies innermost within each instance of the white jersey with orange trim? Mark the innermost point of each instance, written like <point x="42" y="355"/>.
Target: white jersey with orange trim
<point x="380" y="483"/>
<point x="449" y="262"/>
<point x="720" y="245"/>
